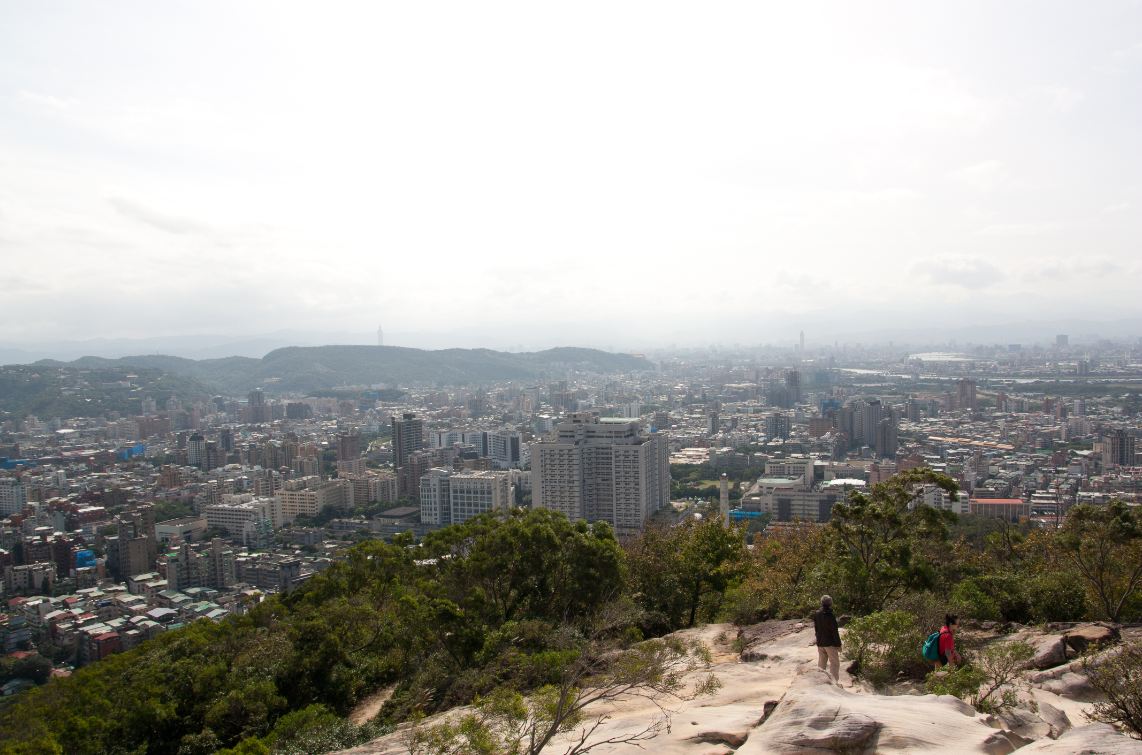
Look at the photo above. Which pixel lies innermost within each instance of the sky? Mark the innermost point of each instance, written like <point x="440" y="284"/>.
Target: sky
<point x="538" y="174"/>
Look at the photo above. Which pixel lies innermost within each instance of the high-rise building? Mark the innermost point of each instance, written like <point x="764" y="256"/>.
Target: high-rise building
<point x="196" y="451"/>
<point x="348" y="446"/>
<point x="434" y="504"/>
<point x="1119" y="447"/>
<point x="872" y="412"/>
<point x="1062" y="340"/>
<point x="473" y="493"/>
<point x="258" y="409"/>
<point x="409" y="474"/>
<point x="309" y="496"/>
<point x="965" y="394"/>
<point x="601" y="469"/>
<point x="448" y="497"/>
<point x="13" y="496"/>
<point x="408" y="437"/>
<point x="793" y="383"/>
<point x="886" y="438"/>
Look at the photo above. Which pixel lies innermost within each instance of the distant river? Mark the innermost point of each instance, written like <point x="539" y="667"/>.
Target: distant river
<point x="940" y="356"/>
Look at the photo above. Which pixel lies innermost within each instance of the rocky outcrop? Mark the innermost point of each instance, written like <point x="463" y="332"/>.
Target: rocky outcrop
<point x="818" y="716"/>
<point x="779" y="702"/>
<point x="1086" y="740"/>
<point x="1056" y="648"/>
<point x="1049" y="650"/>
<point x="1091" y="636"/>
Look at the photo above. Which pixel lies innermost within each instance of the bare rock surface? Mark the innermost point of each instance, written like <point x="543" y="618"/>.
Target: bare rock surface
<point x="1095" y="739"/>
<point x="1092" y="635"/>
<point x="781" y="703"/>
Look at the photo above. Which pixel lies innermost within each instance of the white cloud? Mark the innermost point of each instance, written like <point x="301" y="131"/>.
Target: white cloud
<point x="985" y="176"/>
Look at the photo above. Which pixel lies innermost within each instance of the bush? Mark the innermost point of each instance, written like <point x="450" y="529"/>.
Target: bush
<point x="1057" y="596"/>
<point x="885" y="645"/>
<point x="994" y="597"/>
<point x="988" y="680"/>
<point x="1119" y="677"/>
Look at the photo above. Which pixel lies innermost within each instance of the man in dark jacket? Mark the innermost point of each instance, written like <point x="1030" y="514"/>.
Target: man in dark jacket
<point x="828" y="638"/>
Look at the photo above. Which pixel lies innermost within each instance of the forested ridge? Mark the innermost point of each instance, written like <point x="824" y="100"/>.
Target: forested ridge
<point x="511" y="601"/>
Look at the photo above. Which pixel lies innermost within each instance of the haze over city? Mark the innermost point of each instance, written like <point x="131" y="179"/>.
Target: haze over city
<point x="515" y="176"/>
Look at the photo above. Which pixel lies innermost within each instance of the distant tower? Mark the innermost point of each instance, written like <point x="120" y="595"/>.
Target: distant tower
<point x="724" y="499"/>
<point x="380" y="336"/>
<point x="802" y="349"/>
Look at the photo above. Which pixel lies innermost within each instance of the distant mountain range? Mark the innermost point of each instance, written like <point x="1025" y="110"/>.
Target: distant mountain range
<point x="303" y="369"/>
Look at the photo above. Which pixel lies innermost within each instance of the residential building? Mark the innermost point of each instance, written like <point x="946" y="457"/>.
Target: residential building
<point x="601" y="469"/>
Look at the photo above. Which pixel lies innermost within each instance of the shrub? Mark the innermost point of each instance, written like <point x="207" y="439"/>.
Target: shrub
<point x="988" y="680"/>
<point x="1119" y="677"/>
<point x="1057" y="596"/>
<point x="993" y="597"/>
<point x="884" y="645"/>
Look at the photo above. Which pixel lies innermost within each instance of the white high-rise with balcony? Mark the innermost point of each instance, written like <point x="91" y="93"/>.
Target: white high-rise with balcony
<point x="601" y="469"/>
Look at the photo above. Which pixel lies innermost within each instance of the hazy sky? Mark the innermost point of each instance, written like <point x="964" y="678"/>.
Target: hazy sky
<point x="611" y="173"/>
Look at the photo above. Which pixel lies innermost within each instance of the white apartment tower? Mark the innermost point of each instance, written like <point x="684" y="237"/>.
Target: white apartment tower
<point x="448" y="497"/>
<point x="601" y="469"/>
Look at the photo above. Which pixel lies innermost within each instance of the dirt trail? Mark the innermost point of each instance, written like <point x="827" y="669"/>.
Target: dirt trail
<point x="371" y="705"/>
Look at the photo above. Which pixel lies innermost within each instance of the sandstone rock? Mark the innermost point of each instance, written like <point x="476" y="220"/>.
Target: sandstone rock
<point x="954" y="702"/>
<point x="1058" y="720"/>
<point x="1001" y="743"/>
<point x="1082" y="637"/>
<point x="1025" y="724"/>
<point x="1071" y="685"/>
<point x="1086" y="740"/>
<point x="1050" y="650"/>
<point x="734" y="739"/>
<point x="816" y="716"/>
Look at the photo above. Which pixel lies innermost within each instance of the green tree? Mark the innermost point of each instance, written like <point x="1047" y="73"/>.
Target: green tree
<point x="1104" y="544"/>
<point x="885" y="542"/>
<point x="674" y="571"/>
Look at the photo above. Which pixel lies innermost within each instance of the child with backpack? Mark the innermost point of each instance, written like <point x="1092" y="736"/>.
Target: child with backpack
<point x="940" y="647"/>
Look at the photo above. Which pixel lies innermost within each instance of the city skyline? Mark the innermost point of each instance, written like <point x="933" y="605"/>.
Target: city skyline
<point x="693" y="177"/>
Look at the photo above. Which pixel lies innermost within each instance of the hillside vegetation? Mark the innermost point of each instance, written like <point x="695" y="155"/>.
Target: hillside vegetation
<point x="510" y="602"/>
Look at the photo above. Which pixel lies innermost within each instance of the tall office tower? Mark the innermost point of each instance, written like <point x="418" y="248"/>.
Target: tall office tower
<point x="793" y="384"/>
<point x="801" y="344"/>
<point x="259" y="410"/>
<point x="965" y="394"/>
<point x="886" y="438"/>
<point x="408" y="437"/>
<point x="380" y="336"/>
<point x="1079" y="408"/>
<point x="1119" y="449"/>
<point x="601" y="469"/>
<point x="1062" y="341"/>
<point x="713" y="423"/>
<point x="348" y="446"/>
<point x="871" y="412"/>
<point x="196" y="450"/>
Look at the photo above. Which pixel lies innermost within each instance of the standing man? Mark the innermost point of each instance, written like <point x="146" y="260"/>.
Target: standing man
<point x="828" y="638"/>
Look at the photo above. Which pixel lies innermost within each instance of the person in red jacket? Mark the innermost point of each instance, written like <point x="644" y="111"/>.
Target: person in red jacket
<point x="947" y="646"/>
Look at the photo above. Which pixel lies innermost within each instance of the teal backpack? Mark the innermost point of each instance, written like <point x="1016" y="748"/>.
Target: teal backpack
<point x="932" y="646"/>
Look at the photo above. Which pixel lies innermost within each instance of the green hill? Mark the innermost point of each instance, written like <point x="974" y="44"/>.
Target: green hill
<point x="303" y="369"/>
